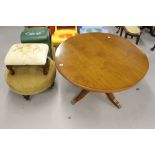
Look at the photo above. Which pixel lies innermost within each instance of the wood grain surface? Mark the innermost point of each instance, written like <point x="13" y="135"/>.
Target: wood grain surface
<point x="101" y="62"/>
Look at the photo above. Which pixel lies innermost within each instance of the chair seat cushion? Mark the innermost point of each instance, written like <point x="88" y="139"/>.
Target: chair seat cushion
<point x="34" y="35"/>
<point x="89" y="29"/>
<point x="27" y="54"/>
<point x="30" y="80"/>
<point x="133" y="29"/>
<point x="61" y="35"/>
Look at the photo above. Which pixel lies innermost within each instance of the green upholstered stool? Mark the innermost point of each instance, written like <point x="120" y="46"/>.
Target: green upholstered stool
<point x="37" y="35"/>
<point x="25" y="69"/>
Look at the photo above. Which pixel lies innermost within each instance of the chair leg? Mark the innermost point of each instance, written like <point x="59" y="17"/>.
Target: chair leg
<point x="152" y="49"/>
<point x="46" y="67"/>
<point x="126" y="35"/>
<point x="119" y="27"/>
<point x="11" y="69"/>
<point x="121" y="31"/>
<point x="137" y="40"/>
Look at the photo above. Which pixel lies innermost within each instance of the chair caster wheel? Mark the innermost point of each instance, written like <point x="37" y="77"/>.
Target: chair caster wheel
<point x="52" y="85"/>
<point x="27" y="97"/>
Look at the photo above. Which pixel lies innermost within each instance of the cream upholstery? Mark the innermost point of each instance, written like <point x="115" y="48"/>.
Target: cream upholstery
<point x="133" y="29"/>
<point x="30" y="80"/>
<point x="27" y="54"/>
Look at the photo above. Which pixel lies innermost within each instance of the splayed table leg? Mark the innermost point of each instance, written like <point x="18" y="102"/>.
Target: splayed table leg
<point x="112" y="98"/>
<point x="82" y="94"/>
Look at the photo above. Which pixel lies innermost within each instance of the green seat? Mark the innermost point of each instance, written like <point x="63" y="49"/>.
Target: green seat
<point x="37" y="35"/>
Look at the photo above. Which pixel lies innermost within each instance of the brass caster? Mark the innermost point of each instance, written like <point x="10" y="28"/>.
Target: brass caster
<point x="117" y="104"/>
<point x="73" y="102"/>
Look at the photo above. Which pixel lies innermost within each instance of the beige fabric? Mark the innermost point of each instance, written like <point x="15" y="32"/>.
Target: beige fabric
<point x="27" y="54"/>
<point x="30" y="80"/>
<point x="133" y="29"/>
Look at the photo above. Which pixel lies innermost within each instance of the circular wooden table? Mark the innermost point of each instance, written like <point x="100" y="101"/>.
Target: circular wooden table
<point x="101" y="62"/>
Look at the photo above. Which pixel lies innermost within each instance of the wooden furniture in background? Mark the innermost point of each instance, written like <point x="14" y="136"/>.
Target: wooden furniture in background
<point x="102" y="63"/>
<point x="133" y="31"/>
<point x="151" y="29"/>
<point x="152" y="49"/>
<point x="118" y="28"/>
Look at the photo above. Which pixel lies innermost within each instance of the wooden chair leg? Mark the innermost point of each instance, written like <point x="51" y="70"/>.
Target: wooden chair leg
<point x="137" y="40"/>
<point x="112" y="98"/>
<point x="152" y="49"/>
<point x="9" y="67"/>
<point x="82" y="94"/>
<point x="126" y="35"/>
<point x="119" y="27"/>
<point x="121" y="31"/>
<point x="46" y="67"/>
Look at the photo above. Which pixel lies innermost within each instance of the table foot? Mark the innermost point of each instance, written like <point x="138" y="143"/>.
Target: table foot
<point x="82" y="94"/>
<point x="112" y="98"/>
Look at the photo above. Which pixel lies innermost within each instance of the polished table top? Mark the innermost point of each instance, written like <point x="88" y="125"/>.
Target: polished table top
<point x="101" y="62"/>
